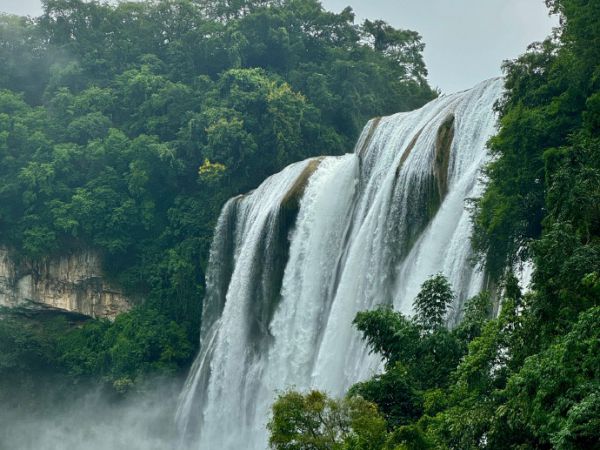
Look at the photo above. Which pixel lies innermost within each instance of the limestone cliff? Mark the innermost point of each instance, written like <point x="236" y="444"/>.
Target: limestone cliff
<point x="72" y="283"/>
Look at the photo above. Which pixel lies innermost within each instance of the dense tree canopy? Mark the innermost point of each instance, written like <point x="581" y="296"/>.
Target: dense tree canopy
<point x="125" y="127"/>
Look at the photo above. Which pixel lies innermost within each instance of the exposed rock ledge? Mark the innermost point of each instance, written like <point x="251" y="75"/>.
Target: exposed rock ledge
<point x="72" y="283"/>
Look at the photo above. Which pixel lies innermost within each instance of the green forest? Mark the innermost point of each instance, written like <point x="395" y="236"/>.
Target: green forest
<point x="125" y="128"/>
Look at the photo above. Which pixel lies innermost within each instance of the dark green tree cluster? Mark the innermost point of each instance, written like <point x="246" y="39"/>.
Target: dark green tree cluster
<point x="549" y="130"/>
<point x="124" y="128"/>
<point x="53" y="351"/>
<point x="137" y="344"/>
<point x="528" y="378"/>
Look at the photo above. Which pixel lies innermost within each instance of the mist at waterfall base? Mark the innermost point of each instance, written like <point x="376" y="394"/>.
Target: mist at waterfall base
<point x="295" y="260"/>
<point x="89" y="418"/>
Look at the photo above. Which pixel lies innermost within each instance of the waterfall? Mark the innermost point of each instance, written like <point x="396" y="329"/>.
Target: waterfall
<point x="294" y="261"/>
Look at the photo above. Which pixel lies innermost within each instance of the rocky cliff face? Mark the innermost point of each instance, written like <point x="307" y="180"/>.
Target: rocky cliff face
<point x="72" y="283"/>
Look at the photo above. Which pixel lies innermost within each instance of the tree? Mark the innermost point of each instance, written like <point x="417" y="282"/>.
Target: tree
<point x="388" y="333"/>
<point x="477" y="311"/>
<point x="403" y="46"/>
<point x="432" y="302"/>
<point x="555" y="396"/>
<point x="316" y="422"/>
<point x="395" y="393"/>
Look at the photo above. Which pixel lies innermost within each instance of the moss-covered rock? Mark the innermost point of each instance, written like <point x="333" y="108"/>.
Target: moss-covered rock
<point x="443" y="145"/>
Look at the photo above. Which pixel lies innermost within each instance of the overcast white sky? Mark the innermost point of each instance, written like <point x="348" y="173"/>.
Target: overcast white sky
<point x="467" y="40"/>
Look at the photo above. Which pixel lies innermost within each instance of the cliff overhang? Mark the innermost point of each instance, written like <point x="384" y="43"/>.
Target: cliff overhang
<point x="73" y="283"/>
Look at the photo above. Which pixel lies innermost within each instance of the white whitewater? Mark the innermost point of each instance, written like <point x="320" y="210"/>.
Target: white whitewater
<point x="369" y="230"/>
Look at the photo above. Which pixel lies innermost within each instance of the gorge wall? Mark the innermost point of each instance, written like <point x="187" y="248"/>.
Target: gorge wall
<point x="73" y="283"/>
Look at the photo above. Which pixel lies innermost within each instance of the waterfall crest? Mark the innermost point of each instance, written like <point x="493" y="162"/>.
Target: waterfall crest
<point x="295" y="260"/>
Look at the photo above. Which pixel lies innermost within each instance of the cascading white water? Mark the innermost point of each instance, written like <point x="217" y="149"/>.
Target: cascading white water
<point x="286" y="279"/>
